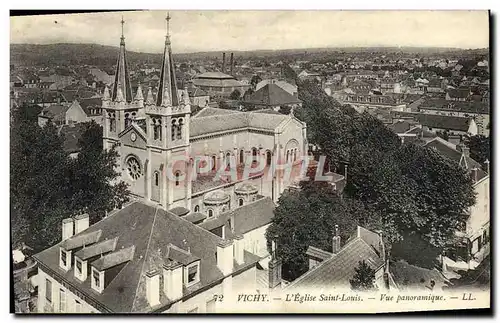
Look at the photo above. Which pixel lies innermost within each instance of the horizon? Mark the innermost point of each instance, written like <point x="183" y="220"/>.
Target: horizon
<point x="268" y="50"/>
<point x="200" y="31"/>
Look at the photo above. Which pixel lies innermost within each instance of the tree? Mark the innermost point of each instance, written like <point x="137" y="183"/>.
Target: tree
<point x="255" y="80"/>
<point x="235" y="95"/>
<point x="364" y="278"/>
<point x="38" y="182"/>
<point x="46" y="185"/>
<point x="92" y="176"/>
<point x="307" y="218"/>
<point x="479" y="146"/>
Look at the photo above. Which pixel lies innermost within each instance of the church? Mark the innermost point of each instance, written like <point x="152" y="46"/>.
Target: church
<point x="204" y="188"/>
<point x="170" y="157"/>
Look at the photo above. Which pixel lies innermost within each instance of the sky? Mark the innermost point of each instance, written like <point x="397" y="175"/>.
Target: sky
<point x="194" y="31"/>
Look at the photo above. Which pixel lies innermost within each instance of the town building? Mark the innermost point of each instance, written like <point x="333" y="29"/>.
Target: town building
<point x="473" y="235"/>
<point x="219" y="85"/>
<point x="62" y="114"/>
<point x="272" y="96"/>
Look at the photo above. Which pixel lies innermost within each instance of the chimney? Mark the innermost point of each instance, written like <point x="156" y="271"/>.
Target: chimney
<point x="225" y="256"/>
<point x="474" y="174"/>
<point x="336" y="240"/>
<point x="173" y="280"/>
<point x="153" y="287"/>
<point x="81" y="222"/>
<point x="223" y="62"/>
<point x="231" y="61"/>
<point x="67" y="228"/>
<point x="238" y="249"/>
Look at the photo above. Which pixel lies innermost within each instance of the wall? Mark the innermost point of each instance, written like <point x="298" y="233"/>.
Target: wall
<point x="75" y="114"/>
<point x="255" y="241"/>
<point x="44" y="307"/>
<point x="480" y="212"/>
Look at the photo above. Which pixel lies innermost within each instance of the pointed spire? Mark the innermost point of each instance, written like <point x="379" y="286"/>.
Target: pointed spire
<point x="149" y="96"/>
<point x="167" y="91"/>
<point x="138" y="95"/>
<point x="105" y="96"/>
<point x="119" y="96"/>
<point x="122" y="77"/>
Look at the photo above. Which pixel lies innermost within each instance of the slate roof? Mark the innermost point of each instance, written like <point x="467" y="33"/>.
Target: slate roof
<point x="449" y="151"/>
<point x="88" y="103"/>
<point x="56" y="111"/>
<point x="340" y="268"/>
<point x="411" y="277"/>
<point x="152" y="232"/>
<point x="195" y="217"/>
<point x="246" y="218"/>
<point x="179" y="211"/>
<point x="400" y="127"/>
<point x="462" y="93"/>
<point x="207" y="112"/>
<point x="290" y="88"/>
<point x="216" y="122"/>
<point x="437" y="121"/>
<point x="465" y="107"/>
<point x="318" y="253"/>
<point x="271" y="95"/>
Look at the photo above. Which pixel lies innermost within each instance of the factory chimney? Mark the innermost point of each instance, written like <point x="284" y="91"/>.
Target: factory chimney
<point x="223" y="62"/>
<point x="232" y="63"/>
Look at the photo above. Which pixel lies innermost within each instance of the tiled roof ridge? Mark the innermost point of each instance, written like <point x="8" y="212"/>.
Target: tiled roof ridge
<point x="145" y="256"/>
<point x="323" y="263"/>
<point x="190" y="223"/>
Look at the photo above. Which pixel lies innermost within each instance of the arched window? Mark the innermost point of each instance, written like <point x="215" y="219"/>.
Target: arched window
<point x="224" y="208"/>
<point x="287" y="155"/>
<point x="157" y="179"/>
<point x="254" y="154"/>
<point x="242" y="156"/>
<point x="295" y="154"/>
<point x="268" y="158"/>
<point x="240" y="202"/>
<point x="127" y="120"/>
<point x="197" y="208"/>
<point x="174" y="128"/>
<point x="228" y="159"/>
<point x="179" y="129"/>
<point x="177" y="175"/>
<point x="112" y="122"/>
<point x="214" y="163"/>
<point x="157" y="129"/>
<point x="210" y="213"/>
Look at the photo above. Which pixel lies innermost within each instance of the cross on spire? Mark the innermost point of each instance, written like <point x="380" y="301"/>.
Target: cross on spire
<point x="167" y="19"/>
<point x="122" y="22"/>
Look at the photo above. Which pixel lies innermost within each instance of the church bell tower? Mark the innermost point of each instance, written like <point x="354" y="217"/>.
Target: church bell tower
<point x="167" y="122"/>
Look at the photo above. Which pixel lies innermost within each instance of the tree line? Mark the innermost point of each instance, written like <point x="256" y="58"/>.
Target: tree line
<point x="410" y="193"/>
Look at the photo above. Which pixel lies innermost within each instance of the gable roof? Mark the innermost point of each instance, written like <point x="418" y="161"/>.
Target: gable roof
<point x="145" y="237"/>
<point x="271" y="95"/>
<point x="336" y="271"/>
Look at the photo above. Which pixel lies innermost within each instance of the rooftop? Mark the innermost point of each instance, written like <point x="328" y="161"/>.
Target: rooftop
<point x="146" y="239"/>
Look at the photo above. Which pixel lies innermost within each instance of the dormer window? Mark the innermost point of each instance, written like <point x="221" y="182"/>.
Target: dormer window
<point x="78" y="264"/>
<point x="97" y="280"/>
<point x="192" y="273"/>
<point x="64" y="259"/>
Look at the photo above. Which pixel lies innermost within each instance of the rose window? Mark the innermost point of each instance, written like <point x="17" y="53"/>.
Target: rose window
<point x="134" y="168"/>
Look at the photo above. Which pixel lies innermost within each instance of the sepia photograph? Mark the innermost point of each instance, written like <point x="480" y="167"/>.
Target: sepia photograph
<point x="245" y="161"/>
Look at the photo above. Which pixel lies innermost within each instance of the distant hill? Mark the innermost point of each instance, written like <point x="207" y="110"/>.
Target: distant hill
<point x="100" y="55"/>
<point x="73" y="54"/>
